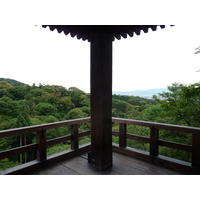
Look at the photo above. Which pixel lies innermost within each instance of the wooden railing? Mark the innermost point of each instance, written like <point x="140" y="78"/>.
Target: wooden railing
<point x="152" y="155"/>
<point x="42" y="144"/>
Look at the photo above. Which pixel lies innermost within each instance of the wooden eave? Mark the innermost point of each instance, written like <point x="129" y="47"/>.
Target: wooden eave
<point x="118" y="31"/>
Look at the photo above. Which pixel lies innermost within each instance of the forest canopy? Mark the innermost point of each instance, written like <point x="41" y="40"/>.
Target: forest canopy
<point x="25" y="105"/>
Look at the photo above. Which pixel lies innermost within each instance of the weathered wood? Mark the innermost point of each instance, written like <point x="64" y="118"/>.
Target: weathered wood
<point x="175" y="145"/>
<point x="52" y="159"/>
<point x="36" y="128"/>
<point x="122" y="164"/>
<point x="115" y="133"/>
<point x="101" y="99"/>
<point x="145" y="166"/>
<point x="171" y="127"/>
<point x="78" y="164"/>
<point x="196" y="151"/>
<point x="127" y="169"/>
<point x="85" y="133"/>
<point x="153" y="141"/>
<point x="122" y="135"/>
<point x="41" y="140"/>
<point x="74" y="132"/>
<point x="180" y="166"/>
<point x="194" y="169"/>
<point x="58" y="140"/>
<point x="133" y="137"/>
<point x="138" y="138"/>
<point x="18" y="150"/>
<point x="25" y="168"/>
<point x="65" y="138"/>
<point x="57" y="169"/>
<point x="132" y="152"/>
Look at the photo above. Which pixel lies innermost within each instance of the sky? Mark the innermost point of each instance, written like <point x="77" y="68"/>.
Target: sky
<point x="32" y="54"/>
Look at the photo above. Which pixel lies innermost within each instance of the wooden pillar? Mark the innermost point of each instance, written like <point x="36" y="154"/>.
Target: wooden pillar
<point x="122" y="135"/>
<point x="196" y="150"/>
<point x="74" y="132"/>
<point x="41" y="140"/>
<point x="154" y="142"/>
<point x="101" y="100"/>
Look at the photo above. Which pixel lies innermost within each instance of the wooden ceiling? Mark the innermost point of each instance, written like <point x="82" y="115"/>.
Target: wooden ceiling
<point x="118" y="31"/>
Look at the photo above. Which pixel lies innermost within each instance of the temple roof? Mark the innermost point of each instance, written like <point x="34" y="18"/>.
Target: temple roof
<point x="118" y="31"/>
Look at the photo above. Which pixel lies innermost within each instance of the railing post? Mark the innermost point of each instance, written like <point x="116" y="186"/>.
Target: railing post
<point x="122" y="135"/>
<point x="74" y="132"/>
<point x="153" y="141"/>
<point x="196" y="150"/>
<point x="41" y="139"/>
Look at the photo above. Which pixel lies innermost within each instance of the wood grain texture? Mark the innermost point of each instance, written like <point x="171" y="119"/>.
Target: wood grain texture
<point x="101" y="99"/>
<point x="36" y="128"/>
<point x="41" y="140"/>
<point x="122" y="135"/>
<point x="74" y="133"/>
<point x="122" y="165"/>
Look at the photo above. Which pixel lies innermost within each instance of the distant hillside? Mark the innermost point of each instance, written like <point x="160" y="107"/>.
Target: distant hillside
<point x="11" y="81"/>
<point x="142" y="93"/>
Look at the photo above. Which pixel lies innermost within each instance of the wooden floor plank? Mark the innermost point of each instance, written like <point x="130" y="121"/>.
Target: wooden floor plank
<point x="127" y="170"/>
<point x="57" y="169"/>
<point x="145" y="166"/>
<point x="81" y="165"/>
<point x="122" y="165"/>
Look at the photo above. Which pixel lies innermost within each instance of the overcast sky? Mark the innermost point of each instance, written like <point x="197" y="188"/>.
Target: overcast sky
<point x="32" y="54"/>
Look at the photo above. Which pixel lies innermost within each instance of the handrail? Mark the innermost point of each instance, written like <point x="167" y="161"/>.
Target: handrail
<point x="42" y="143"/>
<point x="36" y="128"/>
<point x="171" y="127"/>
<point x="155" y="142"/>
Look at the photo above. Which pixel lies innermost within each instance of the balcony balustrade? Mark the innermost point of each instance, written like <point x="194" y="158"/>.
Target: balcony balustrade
<point x="152" y="155"/>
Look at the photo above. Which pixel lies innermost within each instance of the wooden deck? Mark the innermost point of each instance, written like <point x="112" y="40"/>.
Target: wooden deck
<point x="122" y="165"/>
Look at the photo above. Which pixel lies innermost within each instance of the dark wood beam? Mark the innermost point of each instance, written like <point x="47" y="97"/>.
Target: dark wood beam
<point x="101" y="99"/>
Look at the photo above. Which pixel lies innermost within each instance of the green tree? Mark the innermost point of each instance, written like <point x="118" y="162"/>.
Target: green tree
<point x="64" y="105"/>
<point x="5" y="89"/>
<point x="50" y="119"/>
<point x="18" y="92"/>
<point x="182" y="103"/>
<point x="34" y="94"/>
<point x="122" y="109"/>
<point x="8" y="107"/>
<point x="76" y="96"/>
<point x="75" y="114"/>
<point x="46" y="109"/>
<point x="152" y="113"/>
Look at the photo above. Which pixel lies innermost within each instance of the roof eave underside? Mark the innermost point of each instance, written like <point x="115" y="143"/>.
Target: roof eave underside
<point x="118" y="31"/>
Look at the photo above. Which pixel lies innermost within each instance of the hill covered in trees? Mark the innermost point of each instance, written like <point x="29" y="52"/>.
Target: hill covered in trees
<point x="25" y="105"/>
<point x="11" y="81"/>
<point x="57" y="102"/>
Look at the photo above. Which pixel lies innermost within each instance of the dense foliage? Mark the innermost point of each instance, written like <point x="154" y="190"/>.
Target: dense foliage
<point x="24" y="105"/>
<point x="11" y="81"/>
